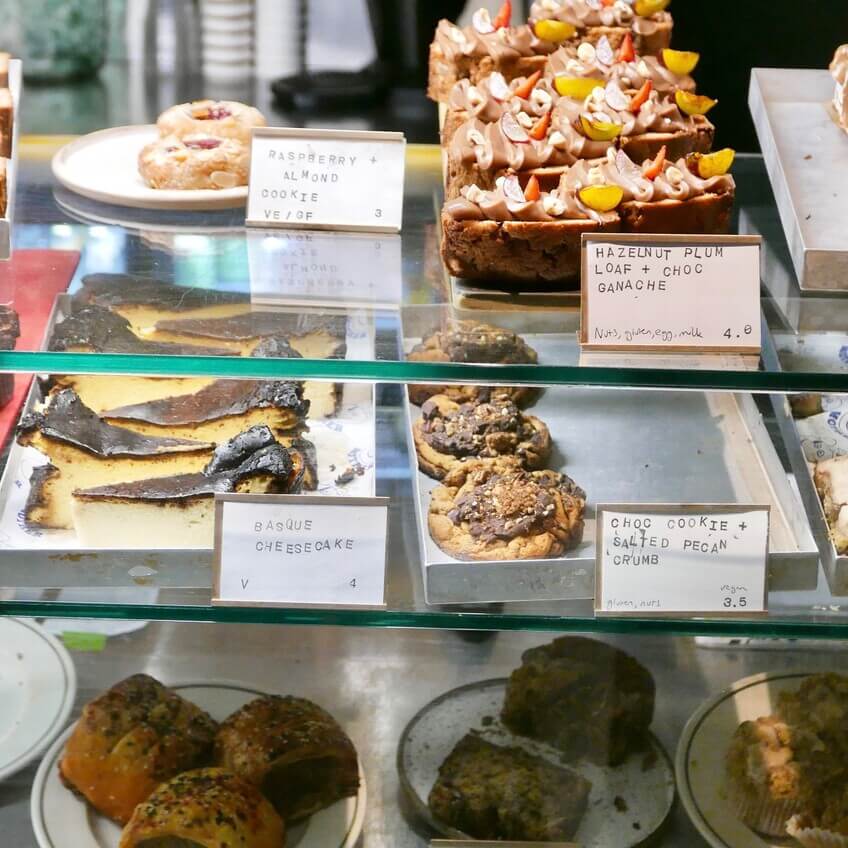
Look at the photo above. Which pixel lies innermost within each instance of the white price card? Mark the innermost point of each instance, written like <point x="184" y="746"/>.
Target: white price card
<point x="704" y="559"/>
<point x="326" y="179"/>
<point x="300" y="550"/>
<point x="671" y="293"/>
<point x="339" y="269"/>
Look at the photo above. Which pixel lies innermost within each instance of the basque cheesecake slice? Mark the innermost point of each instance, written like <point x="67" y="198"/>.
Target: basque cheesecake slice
<point x="86" y="451"/>
<point x="178" y="511"/>
<point x="143" y="300"/>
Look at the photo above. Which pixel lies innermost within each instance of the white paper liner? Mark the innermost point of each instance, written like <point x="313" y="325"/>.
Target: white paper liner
<point x="760" y="813"/>
<point x="815" y="837"/>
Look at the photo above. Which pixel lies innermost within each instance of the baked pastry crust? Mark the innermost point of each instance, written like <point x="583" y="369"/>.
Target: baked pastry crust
<point x="130" y="739"/>
<point x="194" y="162"/>
<point x="293" y="750"/>
<point x="206" y="808"/>
<point x="218" y="118"/>
<point x="472" y="342"/>
<point x="584" y="697"/>
<point x="493" y="509"/>
<point x="831" y="479"/>
<point x="492" y="792"/>
<point x="448" y="433"/>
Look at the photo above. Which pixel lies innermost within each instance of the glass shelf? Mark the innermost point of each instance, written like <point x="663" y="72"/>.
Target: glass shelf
<point x="212" y="251"/>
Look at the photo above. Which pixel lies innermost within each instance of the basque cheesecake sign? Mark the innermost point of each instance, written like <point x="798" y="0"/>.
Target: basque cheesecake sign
<point x="300" y="550"/>
<point x="326" y="179"/>
<point x="671" y="293"/>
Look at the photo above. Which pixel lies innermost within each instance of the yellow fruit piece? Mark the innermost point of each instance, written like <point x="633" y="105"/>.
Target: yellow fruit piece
<point x="680" y="62"/>
<point x="646" y="8"/>
<point x="693" y="104"/>
<point x="599" y="130"/>
<point x="715" y="164"/>
<point x="601" y="198"/>
<point x="555" y="31"/>
<point x="577" y="87"/>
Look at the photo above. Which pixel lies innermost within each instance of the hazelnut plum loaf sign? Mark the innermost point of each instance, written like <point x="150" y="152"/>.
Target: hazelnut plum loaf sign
<point x="671" y="293"/>
<point x="326" y="179"/>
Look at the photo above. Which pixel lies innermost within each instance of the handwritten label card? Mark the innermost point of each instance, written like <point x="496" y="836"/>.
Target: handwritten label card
<point x="671" y="293"/>
<point x="326" y="179"/>
<point x="681" y="560"/>
<point x="290" y="550"/>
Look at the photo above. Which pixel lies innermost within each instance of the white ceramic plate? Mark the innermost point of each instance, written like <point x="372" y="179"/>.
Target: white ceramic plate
<point x="61" y="820"/>
<point x="627" y="804"/>
<point x="699" y="764"/>
<point x="38" y="685"/>
<point x="103" y="165"/>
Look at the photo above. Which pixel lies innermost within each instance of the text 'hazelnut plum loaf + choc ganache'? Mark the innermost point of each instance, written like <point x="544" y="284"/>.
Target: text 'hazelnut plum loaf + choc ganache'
<point x="491" y="44"/>
<point x="523" y="234"/>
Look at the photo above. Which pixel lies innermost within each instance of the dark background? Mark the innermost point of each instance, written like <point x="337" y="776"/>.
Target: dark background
<point x="732" y="36"/>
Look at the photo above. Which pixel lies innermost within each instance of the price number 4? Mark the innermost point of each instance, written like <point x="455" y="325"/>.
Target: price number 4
<point x="730" y="602"/>
<point x="746" y="331"/>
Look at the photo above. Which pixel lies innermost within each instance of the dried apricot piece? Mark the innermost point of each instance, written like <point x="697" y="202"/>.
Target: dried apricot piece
<point x="555" y="31"/>
<point x="524" y="90"/>
<point x="599" y="130"/>
<point x="577" y="87"/>
<point x="627" y="53"/>
<point x="601" y="198"/>
<point x="503" y="16"/>
<point x="693" y="104"/>
<point x="641" y="97"/>
<point x="532" y="191"/>
<point x="651" y="170"/>
<point x="680" y="62"/>
<point x="539" y="130"/>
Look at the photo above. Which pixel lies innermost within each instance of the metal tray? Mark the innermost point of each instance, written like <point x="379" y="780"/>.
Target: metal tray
<point x="15" y="88"/>
<point x="626" y="446"/>
<point x="53" y="558"/>
<point x="835" y="564"/>
<point x="806" y="155"/>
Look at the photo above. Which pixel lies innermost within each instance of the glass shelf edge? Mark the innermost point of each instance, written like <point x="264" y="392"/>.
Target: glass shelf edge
<point x="402" y="372"/>
<point x="436" y="620"/>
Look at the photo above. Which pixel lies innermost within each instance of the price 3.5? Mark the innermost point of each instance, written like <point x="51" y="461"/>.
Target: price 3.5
<point x="734" y="602"/>
<point x="737" y="333"/>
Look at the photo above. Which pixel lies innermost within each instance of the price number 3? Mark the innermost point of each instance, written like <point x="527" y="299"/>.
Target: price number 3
<point x="732" y="602"/>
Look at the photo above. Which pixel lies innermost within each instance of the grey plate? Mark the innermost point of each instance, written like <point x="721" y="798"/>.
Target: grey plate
<point x="648" y="793"/>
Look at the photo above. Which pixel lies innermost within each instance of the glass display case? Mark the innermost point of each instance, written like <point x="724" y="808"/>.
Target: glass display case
<point x="157" y="357"/>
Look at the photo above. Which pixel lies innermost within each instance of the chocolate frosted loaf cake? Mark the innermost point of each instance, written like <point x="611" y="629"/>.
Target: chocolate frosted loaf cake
<point x="520" y="234"/>
<point x="493" y="509"/>
<point x="573" y="129"/>
<point x="489" y="45"/>
<point x="584" y="697"/>
<point x="486" y="791"/>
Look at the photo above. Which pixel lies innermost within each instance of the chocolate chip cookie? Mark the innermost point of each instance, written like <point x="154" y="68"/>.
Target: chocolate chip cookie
<point x="473" y="342"/>
<point x="493" y="509"/>
<point x="449" y="433"/>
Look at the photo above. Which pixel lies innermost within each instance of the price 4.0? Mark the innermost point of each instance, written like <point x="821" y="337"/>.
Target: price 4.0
<point x="745" y="331"/>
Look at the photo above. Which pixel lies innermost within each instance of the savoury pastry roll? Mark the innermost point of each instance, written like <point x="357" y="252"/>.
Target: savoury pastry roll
<point x="294" y="750"/>
<point x="130" y="739"/>
<point x="207" y="808"/>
